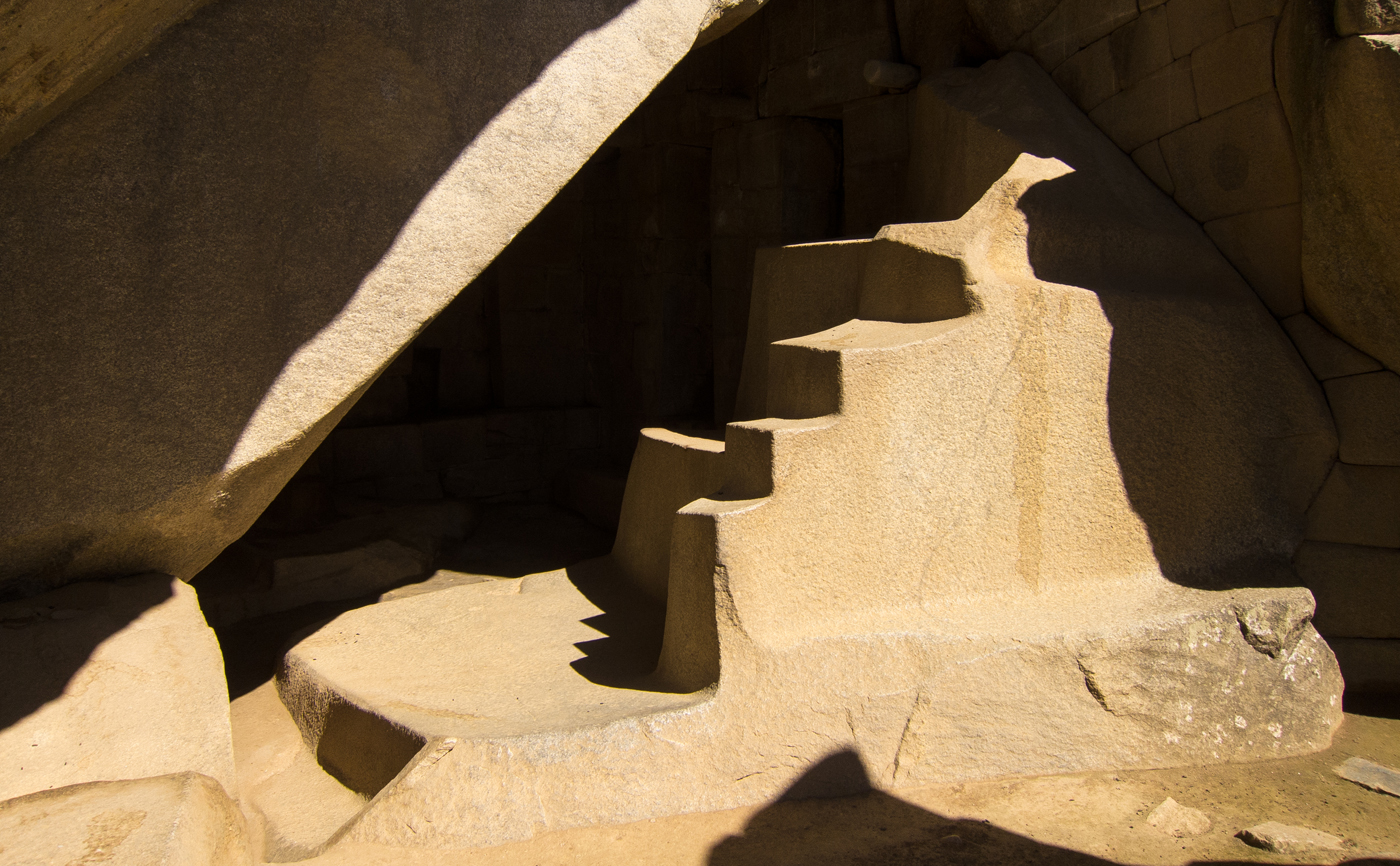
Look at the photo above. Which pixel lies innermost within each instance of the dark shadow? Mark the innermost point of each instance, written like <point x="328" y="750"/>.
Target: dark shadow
<point x="632" y="626"/>
<point x="172" y="239"/>
<point x="363" y="751"/>
<point x="47" y="639"/>
<point x="1377" y="705"/>
<point x="873" y="828"/>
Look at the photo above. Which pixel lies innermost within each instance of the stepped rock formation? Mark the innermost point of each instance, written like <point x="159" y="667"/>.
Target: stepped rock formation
<point x="994" y="523"/>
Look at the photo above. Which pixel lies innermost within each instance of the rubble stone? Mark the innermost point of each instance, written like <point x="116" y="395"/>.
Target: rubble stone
<point x="1174" y="819"/>
<point x="1367" y="17"/>
<point x="1369" y="774"/>
<point x="1285" y="839"/>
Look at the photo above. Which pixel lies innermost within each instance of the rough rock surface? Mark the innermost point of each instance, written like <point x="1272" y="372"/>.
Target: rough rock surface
<point x="946" y="553"/>
<point x="1177" y="820"/>
<point x="283" y="197"/>
<point x="1371" y="775"/>
<point x="184" y="819"/>
<point x="1286" y="839"/>
<point x="1342" y="97"/>
<point x="110" y="681"/>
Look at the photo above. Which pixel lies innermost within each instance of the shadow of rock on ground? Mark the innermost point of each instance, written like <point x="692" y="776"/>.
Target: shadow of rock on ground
<point x="876" y="828"/>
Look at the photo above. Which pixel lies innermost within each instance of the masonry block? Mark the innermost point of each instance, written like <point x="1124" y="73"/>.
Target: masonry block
<point x="1357" y="505"/>
<point x="1369" y="665"/>
<point x="1161" y="102"/>
<point x="1266" y="247"/>
<point x="1245" y="11"/>
<point x="1357" y="588"/>
<point x="370" y="452"/>
<point x="1238" y="160"/>
<point x="1141" y="47"/>
<point x="1195" y="22"/>
<point x="1235" y="67"/>
<point x="1367" y="411"/>
<point x="1089" y="77"/>
<point x="1149" y="159"/>
<point x="1327" y="355"/>
<point x="1075" y="24"/>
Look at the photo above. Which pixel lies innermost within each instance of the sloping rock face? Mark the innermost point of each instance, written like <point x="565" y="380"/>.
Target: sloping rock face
<point x="210" y="258"/>
<point x="116" y="680"/>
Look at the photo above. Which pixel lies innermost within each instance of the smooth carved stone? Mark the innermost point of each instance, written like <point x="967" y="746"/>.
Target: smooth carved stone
<point x="1369" y="665"/>
<point x="1174" y="819"/>
<point x="110" y="681"/>
<point x="1357" y="588"/>
<point x="1286" y="839"/>
<point x="1234" y="68"/>
<point x="175" y="820"/>
<point x="1161" y="102"/>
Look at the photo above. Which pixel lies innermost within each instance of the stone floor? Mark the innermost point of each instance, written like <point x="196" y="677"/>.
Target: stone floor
<point x="1076" y="819"/>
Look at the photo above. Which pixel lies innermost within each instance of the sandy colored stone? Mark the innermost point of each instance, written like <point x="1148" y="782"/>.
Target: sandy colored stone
<point x="1240" y="159"/>
<point x="1358" y="505"/>
<point x="1160" y="103"/>
<point x="1357" y="588"/>
<point x="184" y="819"/>
<point x="1234" y="68"/>
<point x="947" y="499"/>
<point x="1265" y="246"/>
<point x="307" y="202"/>
<point x="1374" y="17"/>
<point x="1193" y="23"/>
<point x="109" y="681"/>
<point x="1174" y="819"/>
<point x="1367" y="412"/>
<point x="1343" y="102"/>
<point x="1285" y="839"/>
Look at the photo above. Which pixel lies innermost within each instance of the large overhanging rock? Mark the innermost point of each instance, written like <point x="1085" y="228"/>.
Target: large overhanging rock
<point x="207" y="260"/>
<point x="957" y="548"/>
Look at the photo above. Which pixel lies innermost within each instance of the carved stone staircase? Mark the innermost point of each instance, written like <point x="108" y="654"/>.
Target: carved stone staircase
<point x="1018" y="488"/>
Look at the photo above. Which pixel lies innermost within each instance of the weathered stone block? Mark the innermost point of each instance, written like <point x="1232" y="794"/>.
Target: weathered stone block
<point x="177" y="820"/>
<point x="826" y="78"/>
<point x="1089" y="77"/>
<point x="110" y="681"/>
<point x="1357" y="588"/>
<point x="1149" y="159"/>
<point x="1367" y="411"/>
<point x="1357" y="505"/>
<point x="1195" y="22"/>
<point x="1238" y="160"/>
<point x="1075" y="24"/>
<point x="1245" y="11"/>
<point x="1373" y="17"/>
<point x="1327" y="355"/>
<point x="1160" y="103"/>
<point x="1235" y="67"/>
<point x="1265" y="246"/>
